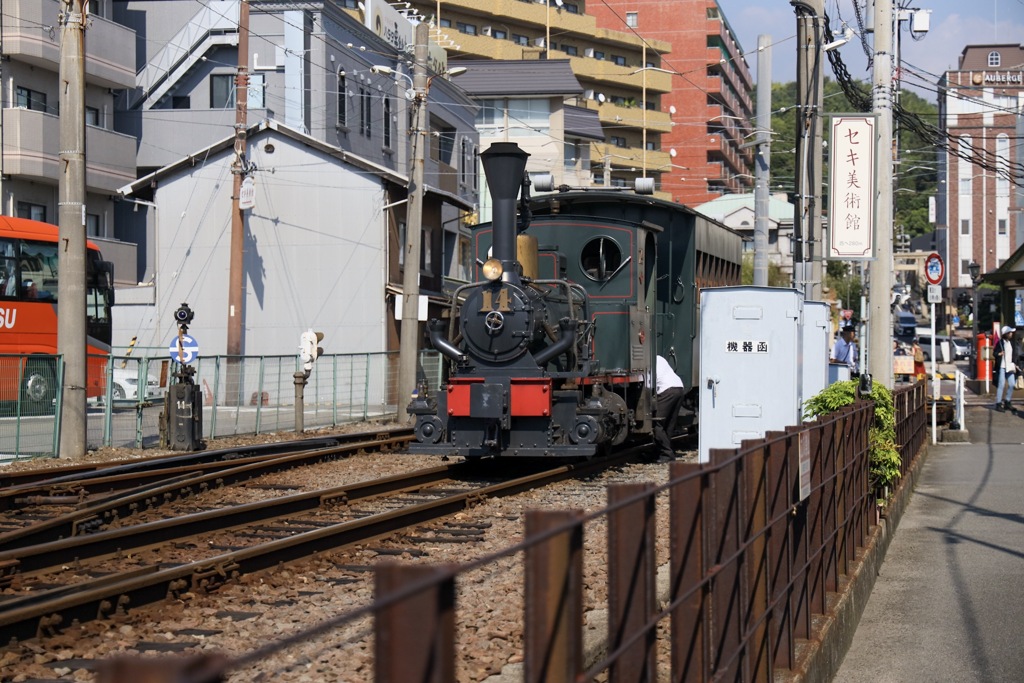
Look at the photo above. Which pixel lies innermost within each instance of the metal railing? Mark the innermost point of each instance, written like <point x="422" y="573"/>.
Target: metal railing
<point x="758" y="539"/>
<point x="341" y="388"/>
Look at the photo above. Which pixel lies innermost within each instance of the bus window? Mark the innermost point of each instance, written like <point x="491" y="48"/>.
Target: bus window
<point x="8" y="265"/>
<point x="38" y="263"/>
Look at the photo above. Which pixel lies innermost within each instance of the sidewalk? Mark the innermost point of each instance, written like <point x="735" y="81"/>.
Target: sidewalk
<point x="947" y="605"/>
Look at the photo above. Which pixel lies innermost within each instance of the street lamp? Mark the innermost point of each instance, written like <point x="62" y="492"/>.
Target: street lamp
<point x="975" y="270"/>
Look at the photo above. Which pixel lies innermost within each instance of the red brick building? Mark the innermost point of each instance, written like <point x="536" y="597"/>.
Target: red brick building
<point x="710" y="102"/>
<point x="979" y="108"/>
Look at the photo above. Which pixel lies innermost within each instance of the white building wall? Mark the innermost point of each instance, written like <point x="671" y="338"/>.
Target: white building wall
<point x="315" y="255"/>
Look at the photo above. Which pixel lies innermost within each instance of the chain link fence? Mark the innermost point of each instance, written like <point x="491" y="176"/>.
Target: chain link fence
<point x="241" y="395"/>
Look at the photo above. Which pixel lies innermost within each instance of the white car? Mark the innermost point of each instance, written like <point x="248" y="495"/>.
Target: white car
<point x="125" y="385"/>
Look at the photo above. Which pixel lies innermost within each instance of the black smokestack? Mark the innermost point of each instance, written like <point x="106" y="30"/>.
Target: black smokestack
<point x="504" y="166"/>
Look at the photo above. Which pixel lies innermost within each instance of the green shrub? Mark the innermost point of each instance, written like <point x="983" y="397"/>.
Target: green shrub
<point x="884" y="453"/>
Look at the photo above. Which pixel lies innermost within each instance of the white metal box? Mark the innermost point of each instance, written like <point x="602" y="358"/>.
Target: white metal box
<point x="816" y="328"/>
<point x="750" y="350"/>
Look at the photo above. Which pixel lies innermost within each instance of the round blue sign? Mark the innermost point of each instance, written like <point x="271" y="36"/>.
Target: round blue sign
<point x="185" y="352"/>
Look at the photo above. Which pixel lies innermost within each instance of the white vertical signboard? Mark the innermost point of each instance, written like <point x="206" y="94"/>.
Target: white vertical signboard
<point x="852" y="187"/>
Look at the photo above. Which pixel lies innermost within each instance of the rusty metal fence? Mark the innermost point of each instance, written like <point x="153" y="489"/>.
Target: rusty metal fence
<point x="760" y="540"/>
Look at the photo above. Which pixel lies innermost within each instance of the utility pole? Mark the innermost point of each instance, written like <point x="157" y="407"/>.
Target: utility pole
<point x="71" y="335"/>
<point x="880" y="286"/>
<point x="810" y="85"/>
<point x="762" y="142"/>
<point x="409" y="342"/>
<point x="239" y="168"/>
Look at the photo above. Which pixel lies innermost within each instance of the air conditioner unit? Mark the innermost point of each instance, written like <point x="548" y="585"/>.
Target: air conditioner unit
<point x="486" y="30"/>
<point x="538" y="42"/>
<point x="588" y="94"/>
<point x="588" y="52"/>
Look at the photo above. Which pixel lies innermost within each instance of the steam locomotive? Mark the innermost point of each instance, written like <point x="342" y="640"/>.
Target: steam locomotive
<point x="551" y="351"/>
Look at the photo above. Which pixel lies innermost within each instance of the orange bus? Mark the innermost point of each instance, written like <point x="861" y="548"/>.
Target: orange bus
<point x="28" y="313"/>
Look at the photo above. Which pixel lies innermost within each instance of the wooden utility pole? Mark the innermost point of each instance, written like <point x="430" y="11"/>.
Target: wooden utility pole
<point x="71" y="331"/>
<point x="239" y="169"/>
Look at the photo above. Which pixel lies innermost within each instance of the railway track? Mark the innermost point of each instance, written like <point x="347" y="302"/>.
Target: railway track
<point x="81" y="502"/>
<point x="52" y="583"/>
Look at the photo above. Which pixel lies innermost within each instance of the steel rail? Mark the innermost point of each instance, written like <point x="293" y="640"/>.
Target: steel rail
<point x="91" y="518"/>
<point x="37" y="558"/>
<point x="39" y="478"/>
<point x="92" y="601"/>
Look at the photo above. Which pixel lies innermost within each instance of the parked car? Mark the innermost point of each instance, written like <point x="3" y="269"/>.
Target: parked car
<point x="958" y="348"/>
<point x="904" y="324"/>
<point x="125" y="385"/>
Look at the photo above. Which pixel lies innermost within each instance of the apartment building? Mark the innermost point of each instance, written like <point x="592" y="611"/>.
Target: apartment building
<point x="709" y="101"/>
<point x="618" y="69"/>
<point x="29" y="116"/>
<point x="979" y="204"/>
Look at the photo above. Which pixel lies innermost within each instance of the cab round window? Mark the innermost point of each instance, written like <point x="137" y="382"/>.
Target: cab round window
<point x="600" y="258"/>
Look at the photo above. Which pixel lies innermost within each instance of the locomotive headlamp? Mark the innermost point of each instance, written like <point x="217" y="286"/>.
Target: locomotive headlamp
<point x="492" y="269"/>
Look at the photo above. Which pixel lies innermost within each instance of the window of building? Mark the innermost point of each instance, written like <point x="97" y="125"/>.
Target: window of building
<point x="712" y="13"/>
<point x="95" y="8"/>
<point x="1002" y="226"/>
<point x="570" y="50"/>
<point x="571" y="8"/>
<point x="965" y="266"/>
<point x="387" y="123"/>
<point x="92" y="116"/>
<point x="499" y="34"/>
<point x="93" y="225"/>
<point x="36" y="212"/>
<point x="31" y="99"/>
<point x="255" y="92"/>
<point x="342" y="99"/>
<point x="631" y="20"/>
<point x="181" y="102"/>
<point x="222" y="91"/>
<point x="468" y="29"/>
<point x="1002" y="165"/>
<point x="619" y="60"/>
<point x="520" y="39"/>
<point x="618" y="141"/>
<point x="965" y="226"/>
<point x="365" y="112"/>
<point x="446" y="23"/>
<point x="994" y="59"/>
<point x="445" y="145"/>
<point x="598" y="54"/>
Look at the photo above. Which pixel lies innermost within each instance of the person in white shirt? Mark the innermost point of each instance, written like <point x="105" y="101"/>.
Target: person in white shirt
<point x="669" y="388"/>
<point x="845" y="350"/>
<point x="1007" y="358"/>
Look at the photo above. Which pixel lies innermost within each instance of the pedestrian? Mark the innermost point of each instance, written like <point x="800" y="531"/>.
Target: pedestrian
<point x="845" y="350"/>
<point x="669" y="388"/>
<point x="1007" y="357"/>
<point x="919" y="370"/>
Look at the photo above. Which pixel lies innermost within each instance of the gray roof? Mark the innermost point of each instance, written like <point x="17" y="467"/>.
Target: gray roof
<point x="583" y="123"/>
<point x="523" y="78"/>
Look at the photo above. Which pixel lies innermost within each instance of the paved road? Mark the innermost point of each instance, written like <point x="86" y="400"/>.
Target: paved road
<point x="949" y="602"/>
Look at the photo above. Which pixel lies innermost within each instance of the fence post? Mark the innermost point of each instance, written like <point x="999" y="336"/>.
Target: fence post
<point x="553" y="640"/>
<point x="415" y="636"/>
<point x="688" y="563"/>
<point x="631" y="583"/>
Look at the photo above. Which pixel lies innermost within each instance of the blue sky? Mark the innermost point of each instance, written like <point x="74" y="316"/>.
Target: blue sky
<point x="954" y="24"/>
